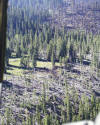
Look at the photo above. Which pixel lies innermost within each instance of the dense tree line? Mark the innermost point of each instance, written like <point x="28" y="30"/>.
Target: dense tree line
<point x="56" y="46"/>
<point x="31" y="37"/>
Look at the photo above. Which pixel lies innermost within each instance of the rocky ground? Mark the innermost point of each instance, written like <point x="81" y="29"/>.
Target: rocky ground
<point x="23" y="93"/>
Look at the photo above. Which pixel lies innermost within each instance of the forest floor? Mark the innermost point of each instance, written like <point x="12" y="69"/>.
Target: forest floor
<point x="23" y="89"/>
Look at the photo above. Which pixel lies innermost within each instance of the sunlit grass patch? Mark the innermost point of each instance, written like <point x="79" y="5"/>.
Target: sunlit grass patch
<point x="14" y="61"/>
<point x="14" y="66"/>
<point x="48" y="65"/>
<point x="16" y="69"/>
<point x="41" y="64"/>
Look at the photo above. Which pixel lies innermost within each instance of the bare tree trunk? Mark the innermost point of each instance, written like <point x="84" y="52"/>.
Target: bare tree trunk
<point x="3" y="25"/>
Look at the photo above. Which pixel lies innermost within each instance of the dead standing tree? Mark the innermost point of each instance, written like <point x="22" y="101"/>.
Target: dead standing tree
<point x="3" y="25"/>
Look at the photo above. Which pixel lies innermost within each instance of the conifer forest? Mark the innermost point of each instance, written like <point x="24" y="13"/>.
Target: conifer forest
<point x="52" y="64"/>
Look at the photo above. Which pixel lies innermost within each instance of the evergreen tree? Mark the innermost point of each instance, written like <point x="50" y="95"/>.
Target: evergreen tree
<point x="49" y="51"/>
<point x="47" y="120"/>
<point x="34" y="61"/>
<point x="68" y="109"/>
<point x="81" y="111"/>
<point x="53" y="58"/>
<point x="72" y="54"/>
<point x="8" y="55"/>
<point x="18" y="51"/>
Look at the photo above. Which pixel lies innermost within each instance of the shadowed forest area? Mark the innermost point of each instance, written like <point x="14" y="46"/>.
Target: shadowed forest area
<point x="52" y="64"/>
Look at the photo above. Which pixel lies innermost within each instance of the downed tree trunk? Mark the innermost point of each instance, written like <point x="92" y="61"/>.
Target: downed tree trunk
<point x="3" y="26"/>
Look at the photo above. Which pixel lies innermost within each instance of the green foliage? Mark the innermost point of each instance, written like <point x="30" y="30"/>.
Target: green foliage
<point x="49" y="51"/>
<point x="72" y="53"/>
<point x="70" y="111"/>
<point x="34" y="59"/>
<point x="53" y="58"/>
<point x="18" y="51"/>
<point x="8" y="55"/>
<point x="24" y="62"/>
<point x="47" y="120"/>
<point x="44" y="99"/>
<point x="8" y="116"/>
